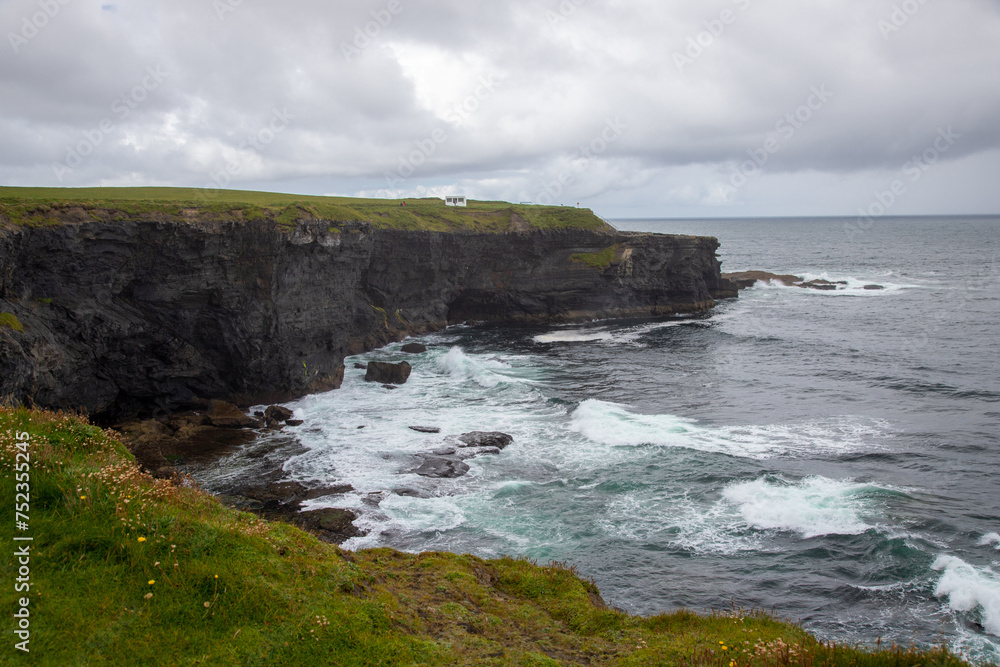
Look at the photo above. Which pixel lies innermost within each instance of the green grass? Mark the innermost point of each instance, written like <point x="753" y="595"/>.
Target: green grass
<point x="10" y="321"/>
<point x="38" y="207"/>
<point x="132" y="571"/>
<point x="601" y="259"/>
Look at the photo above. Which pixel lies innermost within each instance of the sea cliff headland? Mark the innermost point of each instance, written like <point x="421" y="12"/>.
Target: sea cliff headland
<point x="128" y="301"/>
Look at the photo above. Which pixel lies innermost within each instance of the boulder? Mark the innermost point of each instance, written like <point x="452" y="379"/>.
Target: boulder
<point x="386" y="373"/>
<point x="485" y="439"/>
<point x="411" y="493"/>
<point x="331" y="525"/>
<point x="414" y="348"/>
<point x="873" y="287"/>
<point x="276" y="414"/>
<point x="425" y="429"/>
<point x="227" y="415"/>
<point x="295" y="422"/>
<point x="361" y="366"/>
<point x="441" y="467"/>
<point x="820" y="284"/>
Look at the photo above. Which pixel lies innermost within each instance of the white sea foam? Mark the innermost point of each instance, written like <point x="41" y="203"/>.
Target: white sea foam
<point x="813" y="507"/>
<point x="574" y="336"/>
<point x="854" y="286"/>
<point x="484" y="372"/>
<point x="607" y="336"/>
<point x="616" y="425"/>
<point x="613" y="424"/>
<point x="969" y="588"/>
<point x="990" y="539"/>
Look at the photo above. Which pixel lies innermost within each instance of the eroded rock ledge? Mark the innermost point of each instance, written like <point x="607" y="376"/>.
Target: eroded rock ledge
<point x="146" y="316"/>
<point x="747" y="279"/>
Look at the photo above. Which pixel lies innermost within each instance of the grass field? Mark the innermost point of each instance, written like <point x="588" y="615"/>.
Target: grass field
<point x="51" y="206"/>
<point x="127" y="570"/>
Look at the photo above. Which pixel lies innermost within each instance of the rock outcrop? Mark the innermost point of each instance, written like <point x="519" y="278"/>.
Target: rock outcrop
<point x="747" y="279"/>
<point x="144" y="316"/>
<point x="386" y="373"/>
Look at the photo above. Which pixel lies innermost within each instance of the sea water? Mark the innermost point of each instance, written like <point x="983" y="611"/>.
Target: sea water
<point x="832" y="457"/>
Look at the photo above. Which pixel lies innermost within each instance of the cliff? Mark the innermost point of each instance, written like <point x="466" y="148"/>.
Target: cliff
<point x="125" y="314"/>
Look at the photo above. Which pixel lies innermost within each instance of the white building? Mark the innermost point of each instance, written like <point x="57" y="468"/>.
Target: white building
<point x="454" y="201"/>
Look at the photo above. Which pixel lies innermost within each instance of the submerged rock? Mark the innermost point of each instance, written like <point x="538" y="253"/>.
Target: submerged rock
<point x="485" y="439"/>
<point x="414" y="348"/>
<point x="820" y="284"/>
<point x="425" y="429"/>
<point x="747" y="279"/>
<point x="441" y="467"/>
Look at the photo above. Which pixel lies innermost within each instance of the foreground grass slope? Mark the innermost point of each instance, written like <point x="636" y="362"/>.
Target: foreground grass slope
<point x="128" y="570"/>
<point x="49" y="206"/>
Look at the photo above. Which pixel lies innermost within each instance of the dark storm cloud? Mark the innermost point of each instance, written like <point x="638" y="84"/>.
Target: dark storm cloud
<point x="517" y="94"/>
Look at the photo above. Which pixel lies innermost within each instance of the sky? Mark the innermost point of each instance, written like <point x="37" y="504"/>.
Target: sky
<point x="634" y="108"/>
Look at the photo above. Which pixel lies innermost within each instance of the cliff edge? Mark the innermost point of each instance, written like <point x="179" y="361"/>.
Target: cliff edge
<point x="120" y="314"/>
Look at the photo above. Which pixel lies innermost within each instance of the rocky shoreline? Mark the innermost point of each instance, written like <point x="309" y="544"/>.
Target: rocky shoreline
<point x="168" y="447"/>
<point x="166" y="327"/>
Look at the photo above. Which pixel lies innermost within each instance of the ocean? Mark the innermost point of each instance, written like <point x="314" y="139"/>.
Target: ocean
<point x="831" y="457"/>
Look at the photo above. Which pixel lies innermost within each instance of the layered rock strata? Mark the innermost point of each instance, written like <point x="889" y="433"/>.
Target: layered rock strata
<point x="145" y="316"/>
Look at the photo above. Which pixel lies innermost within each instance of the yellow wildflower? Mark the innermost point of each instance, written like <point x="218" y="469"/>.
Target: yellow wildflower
<point x="142" y="539"/>
<point x="152" y="581"/>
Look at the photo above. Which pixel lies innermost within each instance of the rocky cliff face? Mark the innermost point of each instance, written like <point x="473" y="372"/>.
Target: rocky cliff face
<point x="129" y="316"/>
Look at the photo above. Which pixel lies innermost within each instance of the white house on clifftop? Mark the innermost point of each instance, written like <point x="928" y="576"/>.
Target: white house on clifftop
<point x="454" y="201"/>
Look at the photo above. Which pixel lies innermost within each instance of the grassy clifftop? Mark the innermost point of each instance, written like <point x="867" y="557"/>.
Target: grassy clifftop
<point x="127" y="570"/>
<point x="51" y="206"/>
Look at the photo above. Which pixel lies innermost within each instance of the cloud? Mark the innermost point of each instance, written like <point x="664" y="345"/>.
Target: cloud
<point x="699" y="86"/>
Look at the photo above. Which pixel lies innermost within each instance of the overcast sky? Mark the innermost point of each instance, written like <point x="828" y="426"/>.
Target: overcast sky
<point x="636" y="108"/>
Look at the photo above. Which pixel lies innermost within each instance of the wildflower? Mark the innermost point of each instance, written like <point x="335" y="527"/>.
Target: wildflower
<point x="83" y="497"/>
<point x="152" y="581"/>
<point x="156" y="564"/>
<point x="142" y="539"/>
<point x="207" y="605"/>
<point x="148" y="595"/>
<point x="216" y="576"/>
